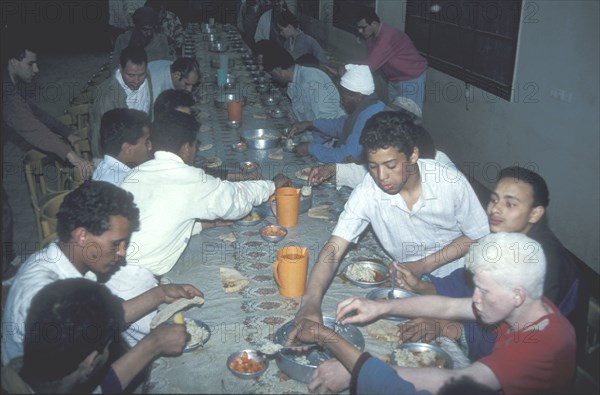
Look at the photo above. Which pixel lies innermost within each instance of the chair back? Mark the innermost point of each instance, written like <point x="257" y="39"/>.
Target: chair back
<point x="48" y="215"/>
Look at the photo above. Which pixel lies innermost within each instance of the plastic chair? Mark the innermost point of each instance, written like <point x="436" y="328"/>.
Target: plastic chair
<point x="48" y="216"/>
<point x="44" y="181"/>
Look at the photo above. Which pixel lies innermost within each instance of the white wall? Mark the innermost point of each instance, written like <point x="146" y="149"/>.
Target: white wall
<point x="558" y="55"/>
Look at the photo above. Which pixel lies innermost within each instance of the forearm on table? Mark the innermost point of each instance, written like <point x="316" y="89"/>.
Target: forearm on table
<point x="324" y="270"/>
<point x="135" y="360"/>
<point x="453" y="251"/>
<point x="141" y="305"/>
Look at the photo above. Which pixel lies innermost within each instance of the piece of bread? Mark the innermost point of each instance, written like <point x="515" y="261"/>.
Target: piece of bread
<point x="178" y="305"/>
<point x="260" y="115"/>
<point x="232" y="280"/>
<point x="303" y="174"/>
<point x="276" y="155"/>
<point x="383" y="330"/>
<point x="213" y="162"/>
<point x="320" y="212"/>
<point x="230" y="237"/>
<point x="205" y="147"/>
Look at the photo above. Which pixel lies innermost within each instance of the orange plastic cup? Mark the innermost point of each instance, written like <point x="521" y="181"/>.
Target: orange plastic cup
<point x="290" y="271"/>
<point x="234" y="110"/>
<point x="288" y="203"/>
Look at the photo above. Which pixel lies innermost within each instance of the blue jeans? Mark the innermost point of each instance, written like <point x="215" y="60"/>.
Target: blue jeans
<point x="411" y="89"/>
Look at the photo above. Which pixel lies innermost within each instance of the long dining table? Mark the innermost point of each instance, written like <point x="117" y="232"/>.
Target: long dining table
<point x="249" y="317"/>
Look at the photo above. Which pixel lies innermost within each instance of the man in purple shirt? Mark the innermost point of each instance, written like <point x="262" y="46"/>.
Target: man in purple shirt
<point x="394" y="53"/>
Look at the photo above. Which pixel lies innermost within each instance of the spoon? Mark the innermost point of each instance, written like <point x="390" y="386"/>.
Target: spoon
<point x="292" y="348"/>
<point x="391" y="292"/>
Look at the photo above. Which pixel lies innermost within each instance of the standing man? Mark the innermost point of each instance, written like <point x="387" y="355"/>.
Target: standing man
<point x="394" y="53"/>
<point x="182" y="74"/>
<point x="425" y="214"/>
<point x="357" y="91"/>
<point x="312" y="93"/>
<point x="26" y="119"/>
<point x="124" y="140"/>
<point x="144" y="35"/>
<point x="129" y="87"/>
<point x="266" y="28"/>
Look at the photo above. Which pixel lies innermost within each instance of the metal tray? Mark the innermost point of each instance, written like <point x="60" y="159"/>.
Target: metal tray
<point x="287" y="361"/>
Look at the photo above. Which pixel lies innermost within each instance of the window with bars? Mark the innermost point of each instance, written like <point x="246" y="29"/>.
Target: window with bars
<point x="472" y="40"/>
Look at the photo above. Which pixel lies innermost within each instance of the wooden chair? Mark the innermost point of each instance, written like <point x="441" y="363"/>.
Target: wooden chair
<point x="48" y="216"/>
<point x="80" y="115"/>
<point x="48" y="239"/>
<point x="44" y="181"/>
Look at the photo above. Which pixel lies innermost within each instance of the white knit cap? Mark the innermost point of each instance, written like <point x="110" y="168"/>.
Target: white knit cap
<point x="358" y="78"/>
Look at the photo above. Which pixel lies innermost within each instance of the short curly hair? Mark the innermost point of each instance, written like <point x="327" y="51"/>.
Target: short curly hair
<point x="91" y="206"/>
<point x="68" y="319"/>
<point x="390" y="129"/>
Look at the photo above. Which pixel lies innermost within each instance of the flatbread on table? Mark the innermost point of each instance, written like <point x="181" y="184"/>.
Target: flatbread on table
<point x="320" y="212"/>
<point x="232" y="280"/>
<point x="276" y="155"/>
<point x="213" y="162"/>
<point x="178" y="305"/>
<point x="205" y="128"/>
<point x="259" y="115"/>
<point x="230" y="237"/>
<point x="383" y="330"/>
<point x="303" y="173"/>
<point x="205" y="147"/>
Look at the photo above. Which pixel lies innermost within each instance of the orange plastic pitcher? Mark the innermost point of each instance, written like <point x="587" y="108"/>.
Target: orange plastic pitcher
<point x="290" y="270"/>
<point x="288" y="203"/>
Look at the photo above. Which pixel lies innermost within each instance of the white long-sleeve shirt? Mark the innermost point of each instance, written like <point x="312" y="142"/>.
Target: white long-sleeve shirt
<point x="171" y="196"/>
<point x="42" y="268"/>
<point x="447" y="209"/>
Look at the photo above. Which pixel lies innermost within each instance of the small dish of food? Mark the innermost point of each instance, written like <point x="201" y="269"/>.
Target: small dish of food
<point x="247" y="364"/>
<point x="366" y="274"/>
<point x="273" y="233"/>
<point x="248" y="166"/>
<point x="421" y="355"/>
<point x="239" y="147"/>
<point x="278" y="113"/>
<point x="251" y="219"/>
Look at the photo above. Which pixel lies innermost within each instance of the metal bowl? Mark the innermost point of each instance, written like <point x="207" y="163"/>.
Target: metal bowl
<point x="222" y="99"/>
<point x="278" y="113"/>
<point x="251" y="222"/>
<point x="248" y="166"/>
<point x="257" y="74"/>
<point x="442" y="358"/>
<point x="247" y="56"/>
<point x="252" y="354"/>
<point x="218" y="47"/>
<point x="382" y="294"/>
<point x="261" y="138"/>
<point x="270" y="99"/>
<point x="381" y="273"/>
<point x="214" y="63"/>
<point x="287" y="363"/>
<point x="262" y="88"/>
<point x="273" y="239"/>
<point x="252" y="67"/>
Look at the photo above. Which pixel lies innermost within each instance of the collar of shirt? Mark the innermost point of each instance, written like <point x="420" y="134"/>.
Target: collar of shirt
<point x="64" y="264"/>
<point x="169" y="156"/>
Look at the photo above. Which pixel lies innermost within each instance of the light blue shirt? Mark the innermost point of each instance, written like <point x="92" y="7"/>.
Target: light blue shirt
<point x="313" y="95"/>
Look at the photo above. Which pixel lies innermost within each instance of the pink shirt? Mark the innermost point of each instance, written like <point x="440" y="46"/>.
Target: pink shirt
<point x="394" y="53"/>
